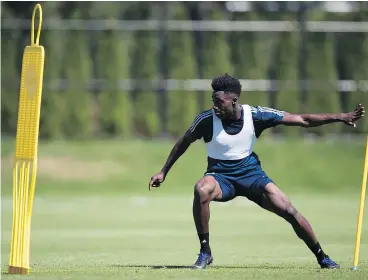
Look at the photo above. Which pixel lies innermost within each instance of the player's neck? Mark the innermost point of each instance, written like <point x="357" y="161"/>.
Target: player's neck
<point x="237" y="112"/>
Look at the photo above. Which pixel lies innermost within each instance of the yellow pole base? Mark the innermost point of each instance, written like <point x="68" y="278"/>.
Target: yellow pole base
<point x="18" y="270"/>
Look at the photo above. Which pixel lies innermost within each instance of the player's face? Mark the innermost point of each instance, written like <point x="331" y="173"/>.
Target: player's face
<point x="223" y="104"/>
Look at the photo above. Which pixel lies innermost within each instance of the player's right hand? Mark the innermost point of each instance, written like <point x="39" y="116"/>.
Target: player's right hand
<point x="156" y="180"/>
<point x="352" y="117"/>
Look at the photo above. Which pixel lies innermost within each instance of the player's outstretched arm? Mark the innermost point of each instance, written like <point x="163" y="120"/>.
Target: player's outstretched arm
<point x="313" y="120"/>
<point x="177" y="151"/>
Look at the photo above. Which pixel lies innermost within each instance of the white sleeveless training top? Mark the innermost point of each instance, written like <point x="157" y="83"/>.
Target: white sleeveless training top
<point x="224" y="146"/>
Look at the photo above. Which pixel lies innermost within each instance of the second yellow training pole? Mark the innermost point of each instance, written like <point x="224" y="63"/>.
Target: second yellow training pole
<point x="361" y="210"/>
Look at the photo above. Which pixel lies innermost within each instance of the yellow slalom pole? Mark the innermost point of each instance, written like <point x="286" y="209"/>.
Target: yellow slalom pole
<point x="26" y="149"/>
<point x="361" y="210"/>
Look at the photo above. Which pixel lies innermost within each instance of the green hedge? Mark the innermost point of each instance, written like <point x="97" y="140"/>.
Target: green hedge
<point x="76" y="57"/>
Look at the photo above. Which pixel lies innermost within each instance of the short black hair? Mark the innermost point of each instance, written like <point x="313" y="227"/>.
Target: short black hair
<point x="227" y="84"/>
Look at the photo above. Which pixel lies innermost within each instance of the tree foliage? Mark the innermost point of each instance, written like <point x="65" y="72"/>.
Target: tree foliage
<point x="76" y="60"/>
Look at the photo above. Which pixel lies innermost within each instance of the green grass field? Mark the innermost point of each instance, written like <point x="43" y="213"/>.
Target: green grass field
<point x="94" y="217"/>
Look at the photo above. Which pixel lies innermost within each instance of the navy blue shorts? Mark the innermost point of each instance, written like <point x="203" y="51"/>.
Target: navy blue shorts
<point x="250" y="184"/>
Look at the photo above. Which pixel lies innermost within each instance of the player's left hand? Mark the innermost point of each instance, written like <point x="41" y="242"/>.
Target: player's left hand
<point x="156" y="180"/>
<point x="352" y="117"/>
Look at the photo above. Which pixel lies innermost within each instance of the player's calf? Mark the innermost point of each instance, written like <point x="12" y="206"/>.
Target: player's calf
<point x="205" y="191"/>
<point x="278" y="203"/>
<point x="304" y="231"/>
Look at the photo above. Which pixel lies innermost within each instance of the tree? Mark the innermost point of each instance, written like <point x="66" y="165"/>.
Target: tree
<point x="53" y="103"/>
<point x="10" y="76"/>
<point x="144" y="67"/>
<point x="352" y="61"/>
<point x="217" y="56"/>
<point x="112" y="65"/>
<point x="284" y="67"/>
<point x="182" y="104"/>
<point x="359" y="71"/>
<point x="322" y="69"/>
<point x="78" y="111"/>
<point x="251" y="55"/>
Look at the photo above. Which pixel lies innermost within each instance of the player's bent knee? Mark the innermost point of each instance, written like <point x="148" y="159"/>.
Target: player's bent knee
<point x="201" y="194"/>
<point x="204" y="188"/>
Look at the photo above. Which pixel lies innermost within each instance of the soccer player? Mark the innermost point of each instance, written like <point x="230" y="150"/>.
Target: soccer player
<point x="229" y="131"/>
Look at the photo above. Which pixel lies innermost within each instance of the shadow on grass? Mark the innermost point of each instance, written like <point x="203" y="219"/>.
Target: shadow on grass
<point x="209" y="267"/>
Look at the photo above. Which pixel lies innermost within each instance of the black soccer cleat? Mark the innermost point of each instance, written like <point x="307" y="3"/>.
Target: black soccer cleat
<point x="326" y="262"/>
<point x="203" y="260"/>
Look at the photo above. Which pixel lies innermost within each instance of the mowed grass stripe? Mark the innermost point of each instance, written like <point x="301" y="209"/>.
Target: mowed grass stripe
<point x="114" y="167"/>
